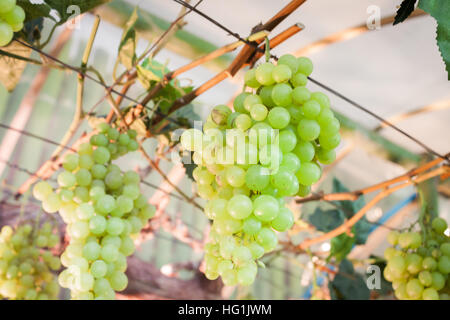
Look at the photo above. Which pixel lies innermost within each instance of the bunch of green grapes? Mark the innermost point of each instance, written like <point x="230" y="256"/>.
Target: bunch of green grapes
<point x="419" y="268"/>
<point x="271" y="147"/>
<point x="103" y="209"/>
<point x="27" y="262"/>
<point x="12" y="17"/>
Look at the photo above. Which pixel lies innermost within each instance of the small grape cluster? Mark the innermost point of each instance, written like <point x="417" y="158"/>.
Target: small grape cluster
<point x="419" y="268"/>
<point x="12" y="17"/>
<point x="103" y="208"/>
<point x="27" y="262"/>
<point x="249" y="160"/>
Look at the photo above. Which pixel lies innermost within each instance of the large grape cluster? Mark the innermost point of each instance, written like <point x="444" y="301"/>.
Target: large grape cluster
<point x="12" y="17"/>
<point x="103" y="208"/>
<point x="249" y="160"/>
<point x="419" y="268"/>
<point x="27" y="262"/>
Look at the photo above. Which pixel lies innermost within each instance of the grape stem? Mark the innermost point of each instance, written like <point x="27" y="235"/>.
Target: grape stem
<point x="354" y="195"/>
<point x="386" y="190"/>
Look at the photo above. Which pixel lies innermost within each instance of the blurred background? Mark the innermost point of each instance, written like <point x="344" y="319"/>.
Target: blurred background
<point x="394" y="71"/>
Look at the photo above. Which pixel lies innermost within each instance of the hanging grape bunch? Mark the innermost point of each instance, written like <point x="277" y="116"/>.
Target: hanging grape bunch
<point x="12" y="17"/>
<point x="275" y="141"/>
<point x="419" y="268"/>
<point x="103" y="209"/>
<point x="27" y="262"/>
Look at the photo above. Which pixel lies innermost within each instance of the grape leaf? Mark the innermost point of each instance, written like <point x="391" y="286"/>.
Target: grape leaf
<point x="362" y="227"/>
<point x="326" y="220"/>
<point x="347" y="284"/>
<point x="406" y="8"/>
<point x="341" y="247"/>
<point x="440" y="11"/>
<point x="127" y="47"/>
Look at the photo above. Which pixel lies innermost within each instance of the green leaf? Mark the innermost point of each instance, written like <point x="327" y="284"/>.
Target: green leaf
<point x="326" y="220"/>
<point x="406" y="8"/>
<point x="362" y="227"/>
<point x="341" y="247"/>
<point x="349" y="207"/>
<point x="348" y="285"/>
<point x="158" y="69"/>
<point x="127" y="47"/>
<point x="34" y="11"/>
<point x="440" y="11"/>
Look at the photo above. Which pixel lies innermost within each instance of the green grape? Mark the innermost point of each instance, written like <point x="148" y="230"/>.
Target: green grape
<point x="83" y="177"/>
<point x="241" y="255"/>
<point x="281" y="73"/>
<point x="311" y="110"/>
<point x="282" y="179"/>
<point x="243" y="121"/>
<point x="258" y="112"/>
<point x="42" y="190"/>
<point x="284" y="221"/>
<point x="287" y="140"/>
<point x="413" y="263"/>
<point x="257" y="178"/>
<point x="325" y="116"/>
<point x="291" y="162"/>
<point x="430" y="294"/>
<point x="437" y="280"/>
<point x="266" y="208"/>
<point x="279" y="117"/>
<point x="305" y="66"/>
<point x="300" y="95"/>
<point x="282" y="94"/>
<point x="439" y="225"/>
<point x="263" y="73"/>
<point x="7" y="6"/>
<point x="220" y="114"/>
<point x="444" y="265"/>
<point x="251" y="226"/>
<point x="250" y="79"/>
<point x="267" y="239"/>
<point x="290" y="61"/>
<point x="51" y="203"/>
<point x="330" y="128"/>
<point x="325" y="156"/>
<point x="265" y="93"/>
<point x="305" y="151"/>
<point x="296" y="114"/>
<point x="322" y="98"/>
<point x="238" y="102"/>
<point x="6" y="34"/>
<point x="308" y="130"/>
<point x="414" y="289"/>
<point x="240" y="206"/>
<point x="308" y="174"/>
<point x="70" y="162"/>
<point x="299" y="80"/>
<point x="251" y="100"/>
<point x="329" y="142"/>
